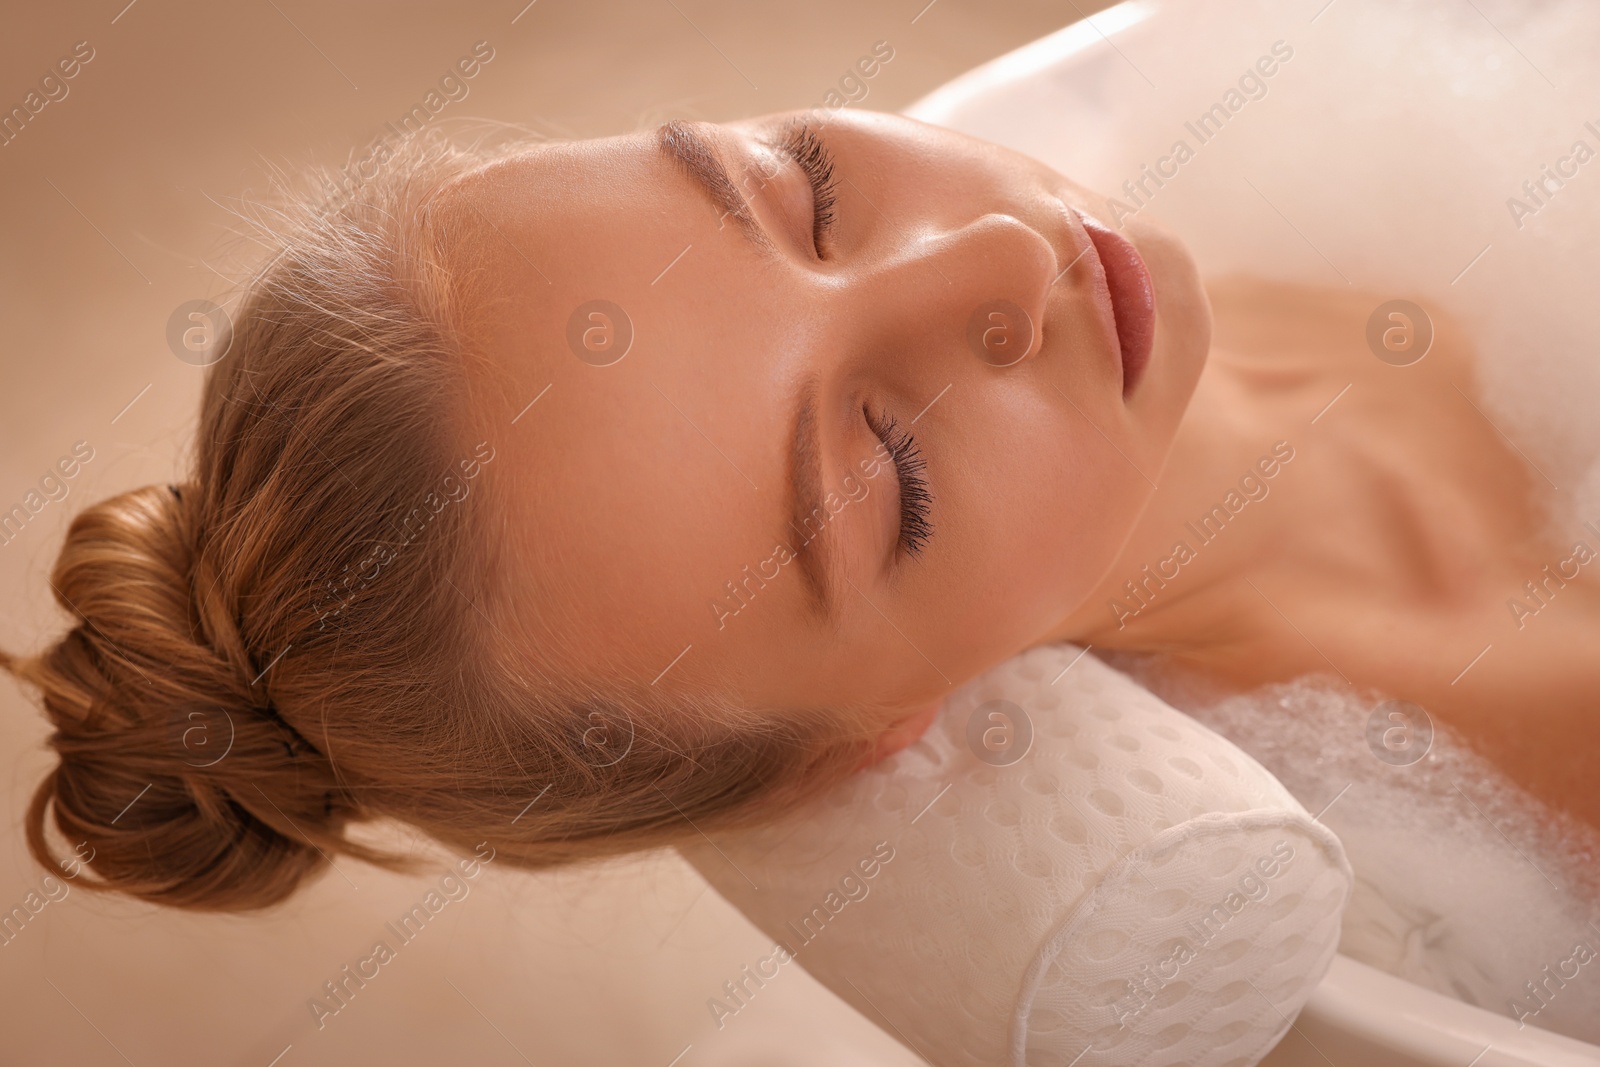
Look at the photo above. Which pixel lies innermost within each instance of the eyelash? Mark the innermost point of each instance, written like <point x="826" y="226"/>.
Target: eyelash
<point x="915" y="498"/>
<point x="806" y="149"/>
<point x="816" y="162"/>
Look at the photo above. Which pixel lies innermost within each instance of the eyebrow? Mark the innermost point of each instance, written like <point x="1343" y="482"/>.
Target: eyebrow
<point x="694" y="154"/>
<point x="813" y="550"/>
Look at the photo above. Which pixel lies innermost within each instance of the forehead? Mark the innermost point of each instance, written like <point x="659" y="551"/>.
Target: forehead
<point x="547" y="198"/>
<point x="633" y="355"/>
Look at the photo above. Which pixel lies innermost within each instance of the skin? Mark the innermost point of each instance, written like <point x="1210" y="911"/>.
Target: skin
<point x="1392" y="539"/>
<point x="673" y="460"/>
<point x="1383" y="556"/>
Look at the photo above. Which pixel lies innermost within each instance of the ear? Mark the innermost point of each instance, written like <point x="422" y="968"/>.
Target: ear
<point x="902" y="732"/>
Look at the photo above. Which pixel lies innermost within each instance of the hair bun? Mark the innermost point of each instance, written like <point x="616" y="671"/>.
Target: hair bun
<point x="178" y="781"/>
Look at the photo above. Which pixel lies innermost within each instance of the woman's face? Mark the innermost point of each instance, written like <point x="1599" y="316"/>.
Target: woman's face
<point x="795" y="437"/>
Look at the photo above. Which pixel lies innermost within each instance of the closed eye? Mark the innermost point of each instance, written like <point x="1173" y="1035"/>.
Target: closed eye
<point x="801" y="144"/>
<point x="910" y="473"/>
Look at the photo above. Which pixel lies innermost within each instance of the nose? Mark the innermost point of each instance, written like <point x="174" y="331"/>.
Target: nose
<point x="981" y="285"/>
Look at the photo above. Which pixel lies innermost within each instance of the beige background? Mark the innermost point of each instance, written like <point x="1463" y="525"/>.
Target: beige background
<point x="114" y="212"/>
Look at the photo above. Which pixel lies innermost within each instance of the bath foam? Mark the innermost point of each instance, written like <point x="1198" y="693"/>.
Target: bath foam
<point x="1132" y="888"/>
<point x="1465" y="883"/>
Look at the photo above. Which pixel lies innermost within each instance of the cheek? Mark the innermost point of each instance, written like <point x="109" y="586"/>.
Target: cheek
<point x="1039" y="517"/>
<point x="1074" y="506"/>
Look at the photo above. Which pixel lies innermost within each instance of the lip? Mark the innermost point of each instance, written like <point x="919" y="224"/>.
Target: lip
<point x="1131" y="297"/>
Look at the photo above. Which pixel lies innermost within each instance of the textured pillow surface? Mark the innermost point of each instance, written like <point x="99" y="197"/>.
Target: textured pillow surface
<point x="1063" y="870"/>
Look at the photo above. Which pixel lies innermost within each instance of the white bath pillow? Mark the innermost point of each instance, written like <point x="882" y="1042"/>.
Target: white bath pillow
<point x="1063" y="870"/>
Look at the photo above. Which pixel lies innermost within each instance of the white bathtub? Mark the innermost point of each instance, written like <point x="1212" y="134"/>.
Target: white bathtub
<point x="1359" y="1015"/>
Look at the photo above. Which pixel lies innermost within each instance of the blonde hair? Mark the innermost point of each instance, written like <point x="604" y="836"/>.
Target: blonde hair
<point x="228" y="701"/>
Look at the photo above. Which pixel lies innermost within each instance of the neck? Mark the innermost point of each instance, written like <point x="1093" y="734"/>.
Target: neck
<point x="1211" y="514"/>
